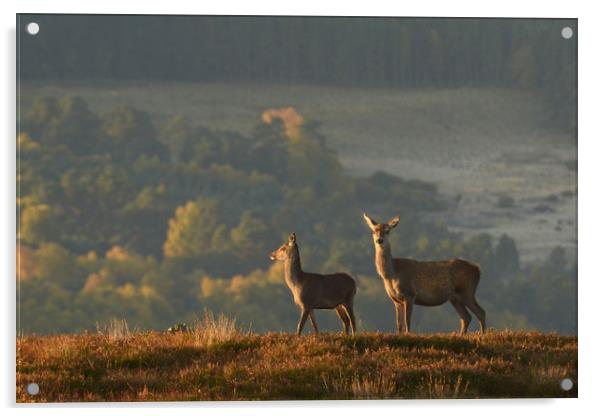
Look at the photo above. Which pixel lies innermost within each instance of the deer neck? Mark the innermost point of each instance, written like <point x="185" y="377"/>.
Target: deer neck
<point x="292" y="269"/>
<point x="384" y="261"/>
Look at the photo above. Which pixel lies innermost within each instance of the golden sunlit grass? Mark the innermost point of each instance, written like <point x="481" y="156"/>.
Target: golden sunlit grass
<point x="213" y="330"/>
<point x="214" y="360"/>
<point x="115" y="329"/>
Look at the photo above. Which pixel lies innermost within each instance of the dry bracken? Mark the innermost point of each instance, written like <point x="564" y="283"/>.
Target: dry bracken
<point x="216" y="361"/>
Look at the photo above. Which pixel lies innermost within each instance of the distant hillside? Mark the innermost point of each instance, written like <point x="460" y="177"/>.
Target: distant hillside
<point x="481" y="143"/>
<point x="344" y="51"/>
<point x="222" y="364"/>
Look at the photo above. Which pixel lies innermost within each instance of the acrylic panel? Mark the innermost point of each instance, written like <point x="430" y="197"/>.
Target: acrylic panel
<point x="291" y="208"/>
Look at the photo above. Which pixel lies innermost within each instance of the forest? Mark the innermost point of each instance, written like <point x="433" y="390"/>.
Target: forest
<point x="120" y="217"/>
<point x="382" y="52"/>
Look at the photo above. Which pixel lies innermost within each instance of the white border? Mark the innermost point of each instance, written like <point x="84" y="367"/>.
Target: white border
<point x="507" y="8"/>
<point x="590" y="220"/>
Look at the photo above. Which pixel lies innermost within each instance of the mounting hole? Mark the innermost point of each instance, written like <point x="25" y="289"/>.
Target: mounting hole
<point x="566" y="32"/>
<point x="566" y="384"/>
<point x="33" y="28"/>
<point x="33" y="388"/>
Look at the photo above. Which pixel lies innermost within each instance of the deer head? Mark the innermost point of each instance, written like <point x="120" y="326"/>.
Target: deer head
<point x="380" y="232"/>
<point x="285" y="251"/>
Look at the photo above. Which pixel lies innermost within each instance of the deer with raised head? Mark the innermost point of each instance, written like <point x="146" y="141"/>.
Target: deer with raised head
<point x="426" y="283"/>
<point x="316" y="291"/>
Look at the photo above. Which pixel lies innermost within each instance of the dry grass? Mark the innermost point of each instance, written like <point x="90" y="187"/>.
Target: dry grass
<point x="366" y="386"/>
<point x="379" y="387"/>
<point x="213" y="329"/>
<point x="115" y="329"/>
<point x="443" y="388"/>
<point x="216" y="361"/>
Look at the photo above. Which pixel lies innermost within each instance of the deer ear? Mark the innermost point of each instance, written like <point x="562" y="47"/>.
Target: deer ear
<point x="393" y="222"/>
<point x="292" y="239"/>
<point x="371" y="223"/>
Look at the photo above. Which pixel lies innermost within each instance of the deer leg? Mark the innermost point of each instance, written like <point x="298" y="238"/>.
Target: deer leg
<point x="471" y="303"/>
<point x="314" y="324"/>
<point x="408" y="305"/>
<point x="343" y="316"/>
<point x="398" y="316"/>
<point x="304" y="315"/>
<point x="348" y="307"/>
<point x="465" y="317"/>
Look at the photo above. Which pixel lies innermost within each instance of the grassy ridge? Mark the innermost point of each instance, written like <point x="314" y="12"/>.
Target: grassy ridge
<point x="202" y="366"/>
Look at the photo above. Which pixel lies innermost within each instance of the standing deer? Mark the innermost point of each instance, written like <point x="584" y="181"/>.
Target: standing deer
<point x="425" y="283"/>
<point x="316" y="291"/>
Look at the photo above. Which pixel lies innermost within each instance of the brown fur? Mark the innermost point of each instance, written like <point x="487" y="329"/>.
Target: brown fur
<point x="316" y="291"/>
<point x="425" y="283"/>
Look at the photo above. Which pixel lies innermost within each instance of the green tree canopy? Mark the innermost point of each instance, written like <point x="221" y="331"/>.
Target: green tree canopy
<point x="131" y="132"/>
<point x="190" y="232"/>
<point x="66" y="121"/>
<point x="38" y="224"/>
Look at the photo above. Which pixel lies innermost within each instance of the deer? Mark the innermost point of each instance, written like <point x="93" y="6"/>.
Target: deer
<point x="411" y="282"/>
<point x="316" y="291"/>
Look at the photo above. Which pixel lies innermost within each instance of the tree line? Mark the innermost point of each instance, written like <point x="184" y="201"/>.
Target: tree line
<point x="121" y="218"/>
<point x="370" y="52"/>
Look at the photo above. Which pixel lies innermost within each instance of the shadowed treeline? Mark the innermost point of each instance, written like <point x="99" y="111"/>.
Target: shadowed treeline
<point x="385" y="52"/>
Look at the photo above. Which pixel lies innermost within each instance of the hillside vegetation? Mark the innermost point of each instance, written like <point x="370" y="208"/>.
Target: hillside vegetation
<point x="346" y="51"/>
<point x="476" y="144"/>
<point x="122" y="216"/>
<point x="221" y="363"/>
